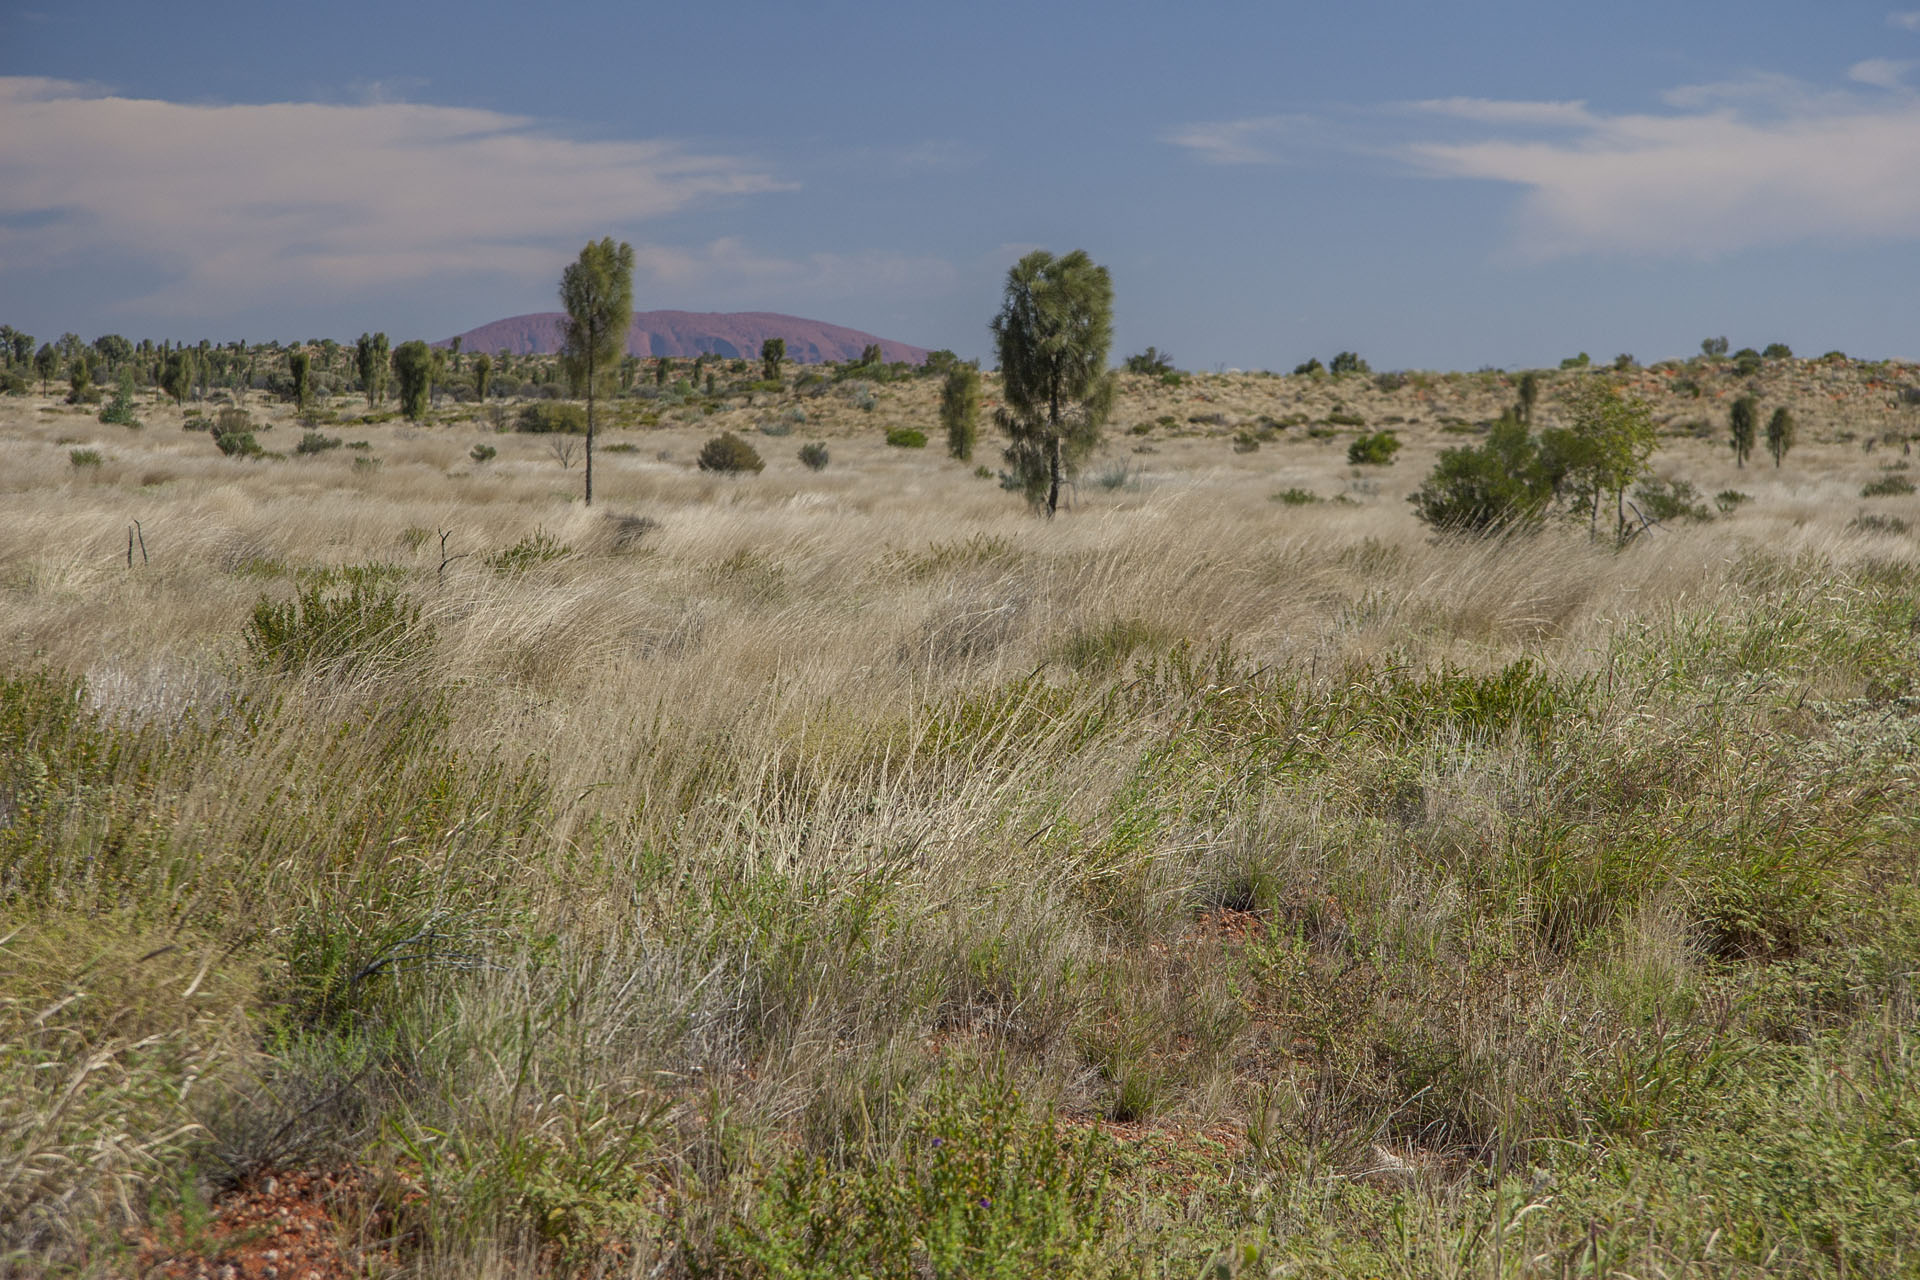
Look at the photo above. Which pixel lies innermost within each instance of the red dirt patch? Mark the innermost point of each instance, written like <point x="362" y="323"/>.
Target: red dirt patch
<point x="283" y="1226"/>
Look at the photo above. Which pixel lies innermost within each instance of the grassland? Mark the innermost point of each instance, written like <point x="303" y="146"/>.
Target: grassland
<point x="818" y="874"/>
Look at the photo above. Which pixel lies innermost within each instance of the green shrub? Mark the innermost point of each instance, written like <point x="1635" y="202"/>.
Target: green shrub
<point x="976" y="1186"/>
<point x="1487" y="488"/>
<point x="371" y="624"/>
<point x="537" y="548"/>
<point x="1348" y="362"/>
<point x="1152" y="361"/>
<point x="316" y="442"/>
<point x="1295" y="497"/>
<point x="483" y="453"/>
<point x="1727" y="500"/>
<point x="1245" y="442"/>
<point x="1376" y="450"/>
<point x="552" y="417"/>
<point x="84" y="457"/>
<point x="366" y="464"/>
<point x="1310" y="368"/>
<point x="238" y="444"/>
<point x="814" y="456"/>
<point x="1887" y="486"/>
<point x="1670" y="500"/>
<point x="730" y="455"/>
<point x="1777" y="351"/>
<point x="906" y="438"/>
<point x="119" y="410"/>
<point x="1869" y="522"/>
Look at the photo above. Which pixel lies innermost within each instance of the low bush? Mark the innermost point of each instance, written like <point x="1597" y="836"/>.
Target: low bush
<point x="1728" y="500"/>
<point x="814" y="456"/>
<point x="1492" y="487"/>
<point x="1670" y="500"/>
<point x="728" y="454"/>
<point x="483" y="453"/>
<point x="238" y="444"/>
<point x="316" y="442"/>
<point x="1295" y="497"/>
<point x="1870" y="522"/>
<point x="371" y="623"/>
<point x="551" y="417"/>
<point x="537" y="548"/>
<point x="1887" y="486"/>
<point x="84" y="457"/>
<point x="1376" y="450"/>
<point x="119" y="410"/>
<point x="906" y="438"/>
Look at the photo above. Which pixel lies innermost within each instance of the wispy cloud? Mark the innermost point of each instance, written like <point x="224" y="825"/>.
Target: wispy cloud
<point x="239" y="203"/>
<point x="729" y="264"/>
<point x="1494" y="111"/>
<point x="1255" y="140"/>
<point x="1906" y="20"/>
<point x="1762" y="161"/>
<point x="1882" y="73"/>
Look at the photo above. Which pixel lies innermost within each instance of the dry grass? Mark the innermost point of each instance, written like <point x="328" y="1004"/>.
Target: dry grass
<point x="739" y="834"/>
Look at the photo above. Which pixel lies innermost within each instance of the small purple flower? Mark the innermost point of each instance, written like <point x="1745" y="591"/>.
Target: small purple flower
<point x="939" y="1142"/>
<point x="985" y="1203"/>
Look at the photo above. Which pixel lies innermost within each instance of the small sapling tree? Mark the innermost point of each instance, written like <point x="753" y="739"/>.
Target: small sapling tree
<point x="1743" y="423"/>
<point x="482" y="375"/>
<point x="1780" y="433"/>
<point x="597" y="291"/>
<point x="176" y="375"/>
<point x="370" y="357"/>
<point x="960" y="409"/>
<point x="413" y="367"/>
<point x="1052" y="335"/>
<point x="773" y="354"/>
<point x="300" y="368"/>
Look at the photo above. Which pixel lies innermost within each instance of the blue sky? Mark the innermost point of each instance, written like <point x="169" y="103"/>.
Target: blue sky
<point x="1432" y="185"/>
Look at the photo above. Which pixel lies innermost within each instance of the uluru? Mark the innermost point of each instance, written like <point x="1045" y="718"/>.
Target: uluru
<point x="733" y="334"/>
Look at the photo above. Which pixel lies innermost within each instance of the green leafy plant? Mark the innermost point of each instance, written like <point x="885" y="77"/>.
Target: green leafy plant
<point x="316" y="442"/>
<point x="1374" y="450"/>
<point x="548" y="417"/>
<point x="238" y="444"/>
<point x="906" y="438"/>
<point x="728" y="454"/>
<point x="1892" y="485"/>
<point x="978" y="1186"/>
<point x="371" y="624"/>
<point x="537" y="548"/>
<point x="119" y="411"/>
<point x="1672" y="499"/>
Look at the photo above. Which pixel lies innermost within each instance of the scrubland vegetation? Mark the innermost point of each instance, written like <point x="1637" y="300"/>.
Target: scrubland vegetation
<point x="781" y="870"/>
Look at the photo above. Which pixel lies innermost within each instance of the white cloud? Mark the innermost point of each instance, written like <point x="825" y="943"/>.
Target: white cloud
<point x="1762" y="161"/>
<point x="1907" y="20"/>
<point x="241" y="203"/>
<point x="1882" y="73"/>
<point x="1493" y="111"/>
<point x="1247" y="141"/>
<point x="728" y="263"/>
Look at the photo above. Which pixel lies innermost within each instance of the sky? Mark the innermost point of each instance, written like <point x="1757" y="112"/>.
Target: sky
<point x="1447" y="186"/>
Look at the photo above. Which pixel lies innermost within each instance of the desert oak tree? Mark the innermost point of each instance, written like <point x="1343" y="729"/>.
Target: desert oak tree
<point x="1052" y="335"/>
<point x="597" y="291"/>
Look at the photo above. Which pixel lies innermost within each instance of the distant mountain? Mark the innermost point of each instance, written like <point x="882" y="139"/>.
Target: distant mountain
<point x="691" y="333"/>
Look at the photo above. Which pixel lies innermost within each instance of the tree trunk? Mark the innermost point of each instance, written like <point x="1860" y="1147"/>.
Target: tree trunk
<point x="1053" y="455"/>
<point x="589" y="426"/>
